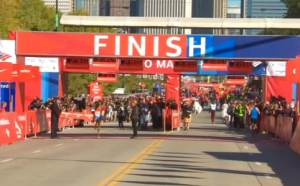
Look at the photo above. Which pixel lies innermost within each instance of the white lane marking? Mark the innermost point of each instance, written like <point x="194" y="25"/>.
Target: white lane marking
<point x="268" y="176"/>
<point x="245" y="147"/>
<point x="257" y="163"/>
<point x="37" y="151"/>
<point x="59" y="145"/>
<point x="76" y="139"/>
<point x="7" y="160"/>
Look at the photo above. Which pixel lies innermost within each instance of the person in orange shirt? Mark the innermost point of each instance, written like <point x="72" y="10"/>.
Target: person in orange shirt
<point x="3" y="106"/>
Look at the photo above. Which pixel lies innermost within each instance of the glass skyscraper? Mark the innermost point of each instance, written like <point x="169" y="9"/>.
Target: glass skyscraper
<point x="262" y="9"/>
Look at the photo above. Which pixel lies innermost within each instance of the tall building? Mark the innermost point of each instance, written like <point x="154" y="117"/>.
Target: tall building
<point x="115" y="7"/>
<point x="233" y="12"/>
<point x="262" y="9"/>
<point x="65" y="6"/>
<point x="91" y="6"/>
<point x="209" y="9"/>
<point x="161" y="8"/>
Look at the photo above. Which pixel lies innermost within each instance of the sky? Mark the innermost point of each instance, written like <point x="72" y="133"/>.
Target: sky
<point x="234" y="2"/>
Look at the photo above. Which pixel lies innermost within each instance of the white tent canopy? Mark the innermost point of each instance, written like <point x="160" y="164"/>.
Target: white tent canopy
<point x="161" y="22"/>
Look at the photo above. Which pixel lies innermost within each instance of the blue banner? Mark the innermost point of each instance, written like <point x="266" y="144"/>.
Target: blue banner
<point x="8" y="91"/>
<point x="158" y="87"/>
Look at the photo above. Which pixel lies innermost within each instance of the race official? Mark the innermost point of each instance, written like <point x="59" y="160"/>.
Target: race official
<point x="55" y="114"/>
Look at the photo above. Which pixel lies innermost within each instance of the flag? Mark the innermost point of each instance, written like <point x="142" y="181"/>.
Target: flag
<point x="4" y="56"/>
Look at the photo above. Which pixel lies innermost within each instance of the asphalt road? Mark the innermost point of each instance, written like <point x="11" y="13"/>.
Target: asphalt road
<point x="206" y="155"/>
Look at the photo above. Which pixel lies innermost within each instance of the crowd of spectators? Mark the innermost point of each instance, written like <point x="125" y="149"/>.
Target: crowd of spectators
<point x="67" y="103"/>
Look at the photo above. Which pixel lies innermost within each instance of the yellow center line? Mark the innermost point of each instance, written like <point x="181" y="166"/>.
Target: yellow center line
<point x="132" y="162"/>
<point x="137" y="162"/>
<point x="134" y="165"/>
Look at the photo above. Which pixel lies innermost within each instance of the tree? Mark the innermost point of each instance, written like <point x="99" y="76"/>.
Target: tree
<point x="35" y="16"/>
<point x="293" y="7"/>
<point x="9" y="17"/>
<point x="78" y="83"/>
<point x="293" y="11"/>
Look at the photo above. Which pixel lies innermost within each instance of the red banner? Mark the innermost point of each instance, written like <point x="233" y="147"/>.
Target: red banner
<point x="185" y="66"/>
<point x="96" y="89"/>
<point x="205" y="84"/>
<point x="107" y="78"/>
<point x="215" y="64"/>
<point x="22" y="73"/>
<point x="240" y="67"/>
<point x="217" y="67"/>
<point x="293" y="70"/>
<point x="96" y="44"/>
<point x="157" y="66"/>
<point x="235" y="82"/>
<point x="76" y="64"/>
<point x="6" y="71"/>
<point x="36" y="74"/>
<point x="104" y="67"/>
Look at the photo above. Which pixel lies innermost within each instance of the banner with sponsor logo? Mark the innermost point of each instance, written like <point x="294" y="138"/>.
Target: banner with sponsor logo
<point x="6" y="71"/>
<point x="8" y="51"/>
<point x="157" y="46"/>
<point x="276" y="68"/>
<point x="22" y="73"/>
<point x="11" y="127"/>
<point x="46" y="64"/>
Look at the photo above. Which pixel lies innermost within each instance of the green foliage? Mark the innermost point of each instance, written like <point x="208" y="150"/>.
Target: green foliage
<point x="282" y="32"/>
<point x="293" y="7"/>
<point x="78" y="83"/>
<point x="293" y="11"/>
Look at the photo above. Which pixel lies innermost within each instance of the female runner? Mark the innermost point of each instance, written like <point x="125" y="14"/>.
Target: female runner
<point x="98" y="117"/>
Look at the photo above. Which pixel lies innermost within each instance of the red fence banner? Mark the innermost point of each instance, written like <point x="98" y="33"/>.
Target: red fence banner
<point x="295" y="142"/>
<point x="175" y="119"/>
<point x="15" y="126"/>
<point x="11" y="128"/>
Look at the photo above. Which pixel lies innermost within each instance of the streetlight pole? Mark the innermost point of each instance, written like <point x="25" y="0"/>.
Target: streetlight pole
<point x="56" y="16"/>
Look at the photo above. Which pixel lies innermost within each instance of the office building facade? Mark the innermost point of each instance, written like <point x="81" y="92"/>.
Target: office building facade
<point x="161" y="8"/>
<point x="115" y="7"/>
<point x="209" y="9"/>
<point x="233" y="12"/>
<point x="262" y="9"/>
<point x="64" y="6"/>
<point x="90" y="6"/>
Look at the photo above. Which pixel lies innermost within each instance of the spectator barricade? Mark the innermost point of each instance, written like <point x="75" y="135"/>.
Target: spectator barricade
<point x="67" y="119"/>
<point x="280" y="126"/>
<point x="295" y="142"/>
<point x="12" y="127"/>
<point x="16" y="127"/>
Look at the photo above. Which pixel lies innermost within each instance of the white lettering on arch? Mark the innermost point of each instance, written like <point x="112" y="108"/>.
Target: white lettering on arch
<point x="141" y="48"/>
<point x="148" y="63"/>
<point x="177" y="48"/>
<point x="97" y="43"/>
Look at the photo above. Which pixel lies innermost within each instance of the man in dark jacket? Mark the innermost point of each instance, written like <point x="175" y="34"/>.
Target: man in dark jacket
<point x="55" y="114"/>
